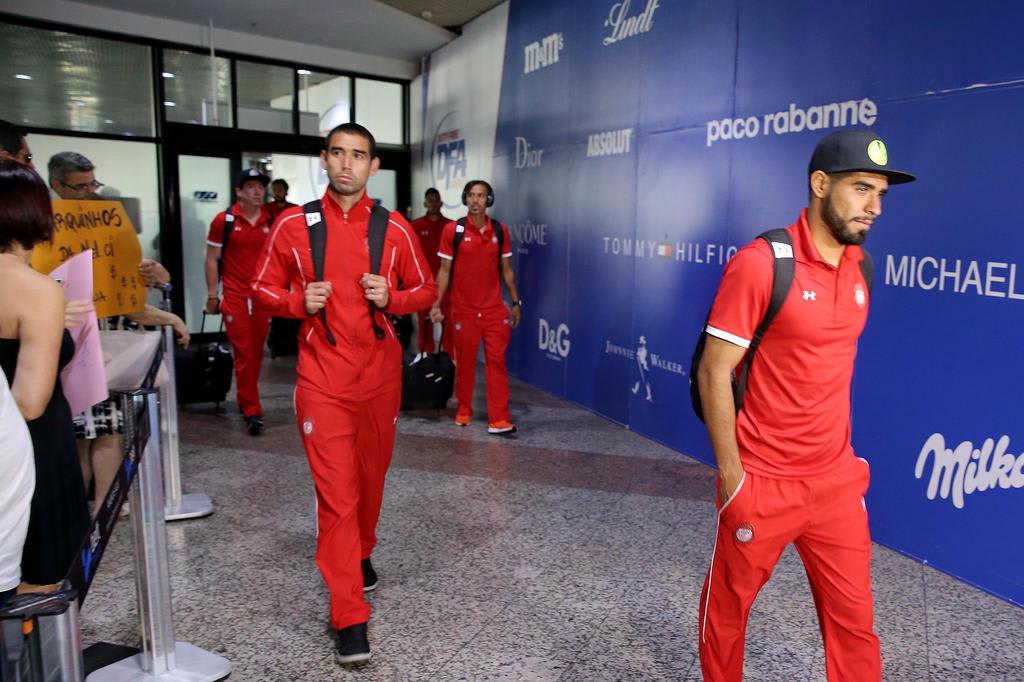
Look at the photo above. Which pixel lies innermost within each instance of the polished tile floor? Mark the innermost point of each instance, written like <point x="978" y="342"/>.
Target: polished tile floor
<point x="573" y="551"/>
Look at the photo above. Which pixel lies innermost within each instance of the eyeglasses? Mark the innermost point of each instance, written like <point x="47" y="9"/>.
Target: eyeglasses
<point x="93" y="186"/>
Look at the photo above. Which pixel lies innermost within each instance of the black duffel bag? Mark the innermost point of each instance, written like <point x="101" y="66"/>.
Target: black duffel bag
<point x="428" y="381"/>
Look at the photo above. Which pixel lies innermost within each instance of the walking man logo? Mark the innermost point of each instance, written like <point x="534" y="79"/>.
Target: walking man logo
<point x="645" y="370"/>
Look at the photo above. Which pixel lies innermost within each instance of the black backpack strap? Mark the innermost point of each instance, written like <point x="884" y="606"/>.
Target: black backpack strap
<point x="460" y="232"/>
<point x="867" y="268"/>
<point x="316" y="226"/>
<point x="783" y="272"/>
<point x="376" y="234"/>
<point x="229" y="227"/>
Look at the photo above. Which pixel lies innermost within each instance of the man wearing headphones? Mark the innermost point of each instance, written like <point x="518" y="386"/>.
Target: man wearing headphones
<point x="481" y="247"/>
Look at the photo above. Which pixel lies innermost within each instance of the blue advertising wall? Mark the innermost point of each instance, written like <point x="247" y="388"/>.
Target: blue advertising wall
<point x="640" y="142"/>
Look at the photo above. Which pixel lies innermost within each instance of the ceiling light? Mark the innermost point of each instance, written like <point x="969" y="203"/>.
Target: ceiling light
<point x="167" y="74"/>
<point x="108" y="121"/>
<point x="304" y="72"/>
<point x="427" y="14"/>
<point x="79" y="103"/>
<point x="23" y="76"/>
<point x="170" y="104"/>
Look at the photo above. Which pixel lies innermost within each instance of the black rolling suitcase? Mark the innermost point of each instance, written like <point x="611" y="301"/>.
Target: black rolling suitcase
<point x="428" y="381"/>
<point x="283" y="339"/>
<point x="203" y="370"/>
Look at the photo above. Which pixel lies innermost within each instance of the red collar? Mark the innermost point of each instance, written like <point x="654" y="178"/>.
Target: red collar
<point x="265" y="214"/>
<point x="330" y="203"/>
<point x="807" y="251"/>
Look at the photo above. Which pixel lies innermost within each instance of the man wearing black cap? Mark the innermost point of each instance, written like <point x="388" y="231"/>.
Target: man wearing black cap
<point x="787" y="470"/>
<point x="234" y="245"/>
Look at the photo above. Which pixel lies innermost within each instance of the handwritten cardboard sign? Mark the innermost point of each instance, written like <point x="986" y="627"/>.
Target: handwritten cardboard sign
<point x="104" y="227"/>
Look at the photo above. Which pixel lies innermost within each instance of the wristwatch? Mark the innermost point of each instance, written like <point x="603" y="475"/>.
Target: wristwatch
<point x="518" y="302"/>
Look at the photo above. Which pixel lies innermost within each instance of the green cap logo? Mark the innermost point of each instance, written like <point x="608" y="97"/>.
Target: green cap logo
<point x="877" y="152"/>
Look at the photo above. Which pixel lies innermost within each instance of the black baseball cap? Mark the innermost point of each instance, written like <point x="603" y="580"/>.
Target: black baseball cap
<point x="251" y="174"/>
<point x="847" y="151"/>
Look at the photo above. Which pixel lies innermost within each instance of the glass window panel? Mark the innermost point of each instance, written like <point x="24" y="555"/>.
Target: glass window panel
<point x="382" y="188"/>
<point x="197" y="89"/>
<point x="325" y="100"/>
<point x="53" y="79"/>
<point x="205" y="190"/>
<point x="265" y="96"/>
<point x="379" y="108"/>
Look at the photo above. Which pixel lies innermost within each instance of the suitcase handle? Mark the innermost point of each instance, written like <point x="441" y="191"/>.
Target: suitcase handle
<point x="440" y="341"/>
<point x="202" y="323"/>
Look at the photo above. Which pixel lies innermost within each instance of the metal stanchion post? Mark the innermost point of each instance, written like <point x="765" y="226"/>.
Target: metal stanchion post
<point x="178" y="506"/>
<point x="162" y="657"/>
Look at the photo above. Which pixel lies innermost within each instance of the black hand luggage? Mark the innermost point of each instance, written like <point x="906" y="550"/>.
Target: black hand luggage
<point x="203" y="370"/>
<point x="283" y="339"/>
<point x="428" y="381"/>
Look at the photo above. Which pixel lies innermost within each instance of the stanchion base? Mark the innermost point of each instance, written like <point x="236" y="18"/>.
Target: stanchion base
<point x="192" y="665"/>
<point x="193" y="506"/>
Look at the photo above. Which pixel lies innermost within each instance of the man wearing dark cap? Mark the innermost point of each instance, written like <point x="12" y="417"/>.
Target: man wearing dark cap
<point x="787" y="470"/>
<point x="233" y="247"/>
<point x="14" y="144"/>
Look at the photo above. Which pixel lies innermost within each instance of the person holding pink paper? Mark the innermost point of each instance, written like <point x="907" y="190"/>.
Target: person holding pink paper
<point x="33" y="348"/>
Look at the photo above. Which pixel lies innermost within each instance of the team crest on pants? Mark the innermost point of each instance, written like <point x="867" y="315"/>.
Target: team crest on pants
<point x="458" y="326"/>
<point x="745" y="533"/>
<point x="307" y="426"/>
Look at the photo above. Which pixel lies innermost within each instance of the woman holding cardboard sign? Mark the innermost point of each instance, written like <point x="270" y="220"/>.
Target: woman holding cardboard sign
<point x="33" y="349"/>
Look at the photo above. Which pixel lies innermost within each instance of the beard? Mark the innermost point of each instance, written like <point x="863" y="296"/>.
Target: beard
<point x="840" y="228"/>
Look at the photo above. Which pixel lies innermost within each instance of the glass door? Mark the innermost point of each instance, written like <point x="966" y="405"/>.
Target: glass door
<point x="204" y="184"/>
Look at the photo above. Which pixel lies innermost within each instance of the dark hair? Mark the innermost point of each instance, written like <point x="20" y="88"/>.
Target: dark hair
<point x="26" y="215"/>
<point x="279" y="181"/>
<point x="10" y="137"/>
<point x="352" y="129"/>
<point x="473" y="183"/>
<point x="63" y="163"/>
<point x="432" y="190"/>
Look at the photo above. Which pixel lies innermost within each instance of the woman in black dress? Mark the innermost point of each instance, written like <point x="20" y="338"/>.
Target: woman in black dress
<point x="33" y="349"/>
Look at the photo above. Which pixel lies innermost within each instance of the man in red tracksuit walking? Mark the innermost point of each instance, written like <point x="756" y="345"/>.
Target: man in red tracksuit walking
<point x="787" y="470"/>
<point x="428" y="229"/>
<point x="349" y="385"/>
<point x="478" y="312"/>
<point x="232" y="257"/>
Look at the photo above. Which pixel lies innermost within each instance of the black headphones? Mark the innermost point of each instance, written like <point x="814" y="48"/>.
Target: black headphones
<point x="490" y="192"/>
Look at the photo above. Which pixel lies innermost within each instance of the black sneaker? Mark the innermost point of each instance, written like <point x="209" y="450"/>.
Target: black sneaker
<point x="353" y="646"/>
<point x="369" y="576"/>
<point x="254" y="425"/>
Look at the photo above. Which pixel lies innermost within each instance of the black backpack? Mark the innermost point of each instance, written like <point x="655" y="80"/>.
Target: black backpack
<point x="782" y="280"/>
<point x="460" y="232"/>
<point x="377" y="233"/>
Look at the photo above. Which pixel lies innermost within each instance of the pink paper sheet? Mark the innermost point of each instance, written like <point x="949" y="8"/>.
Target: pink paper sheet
<point x="84" y="379"/>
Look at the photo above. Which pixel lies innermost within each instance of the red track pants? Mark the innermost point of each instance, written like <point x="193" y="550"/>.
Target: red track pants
<point x="348" y="444"/>
<point x="826" y="520"/>
<point x="494" y="330"/>
<point x="247" y="328"/>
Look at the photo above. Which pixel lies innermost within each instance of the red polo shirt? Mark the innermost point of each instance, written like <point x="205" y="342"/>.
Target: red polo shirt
<point x="795" y="420"/>
<point x="245" y="248"/>
<point x="477" y="283"/>
<point x="429" y="232"/>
